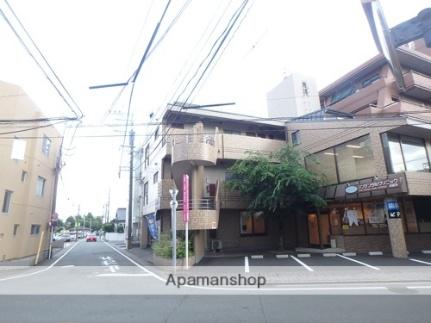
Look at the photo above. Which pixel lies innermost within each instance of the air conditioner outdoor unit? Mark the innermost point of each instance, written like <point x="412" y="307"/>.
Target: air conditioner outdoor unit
<point x="216" y="245"/>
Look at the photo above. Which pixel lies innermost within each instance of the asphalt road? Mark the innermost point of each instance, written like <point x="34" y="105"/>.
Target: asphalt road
<point x="94" y="282"/>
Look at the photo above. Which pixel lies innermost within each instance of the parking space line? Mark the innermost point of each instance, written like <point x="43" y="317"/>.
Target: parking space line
<point x="358" y="262"/>
<point x="420" y="261"/>
<point x="282" y="256"/>
<point x="246" y="266"/>
<point x="257" y="257"/>
<point x="302" y="264"/>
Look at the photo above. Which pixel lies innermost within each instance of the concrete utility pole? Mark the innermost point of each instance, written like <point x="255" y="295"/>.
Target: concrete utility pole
<point x="129" y="219"/>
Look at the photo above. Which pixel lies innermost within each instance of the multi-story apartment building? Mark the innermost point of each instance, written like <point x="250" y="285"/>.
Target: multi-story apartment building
<point x="27" y="176"/>
<point x="204" y="144"/>
<point x="372" y="143"/>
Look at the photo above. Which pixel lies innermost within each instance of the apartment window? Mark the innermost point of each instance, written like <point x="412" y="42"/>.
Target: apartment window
<point x="355" y="159"/>
<point x="296" y="138"/>
<point x="155" y="177"/>
<point x="252" y="223"/>
<point x="305" y="90"/>
<point x="343" y="93"/>
<point x="405" y="153"/>
<point x="46" y="145"/>
<point x="35" y="228"/>
<point x="40" y="186"/>
<point x="23" y="176"/>
<point x="370" y="80"/>
<point x="6" y="201"/>
<point x="145" y="201"/>
<point x="15" y="229"/>
<point x="147" y="156"/>
<point x="231" y="132"/>
<point x="156" y="133"/>
<point x="323" y="163"/>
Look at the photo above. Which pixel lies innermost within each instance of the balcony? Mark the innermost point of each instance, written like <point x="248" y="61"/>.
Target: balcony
<point x="230" y="199"/>
<point x="236" y="146"/>
<point x="198" y="148"/>
<point x="204" y="214"/>
<point x="418" y="85"/>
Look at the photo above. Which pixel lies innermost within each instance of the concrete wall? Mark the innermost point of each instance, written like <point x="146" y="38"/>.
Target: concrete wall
<point x="229" y="233"/>
<point x="26" y="208"/>
<point x="288" y="99"/>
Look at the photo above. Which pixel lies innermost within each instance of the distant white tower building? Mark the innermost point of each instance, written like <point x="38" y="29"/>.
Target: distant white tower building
<point x="295" y="96"/>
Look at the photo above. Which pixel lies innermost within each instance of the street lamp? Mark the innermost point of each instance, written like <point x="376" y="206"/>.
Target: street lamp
<point x="388" y="39"/>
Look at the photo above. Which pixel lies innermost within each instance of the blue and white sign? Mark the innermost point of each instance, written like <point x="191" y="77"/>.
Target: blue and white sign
<point x="152" y="226"/>
<point x="393" y="209"/>
<point x="351" y="189"/>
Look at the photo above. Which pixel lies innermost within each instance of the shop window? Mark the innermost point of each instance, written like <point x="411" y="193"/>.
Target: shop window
<point x="405" y="153"/>
<point x="352" y="219"/>
<point x="355" y="159"/>
<point x="375" y="219"/>
<point x="252" y="223"/>
<point x="422" y="207"/>
<point x="323" y="163"/>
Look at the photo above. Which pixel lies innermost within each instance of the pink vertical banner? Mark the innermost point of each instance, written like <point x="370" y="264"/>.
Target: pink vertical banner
<point x="186" y="210"/>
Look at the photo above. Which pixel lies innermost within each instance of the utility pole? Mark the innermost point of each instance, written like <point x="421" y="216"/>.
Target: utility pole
<point x="129" y="219"/>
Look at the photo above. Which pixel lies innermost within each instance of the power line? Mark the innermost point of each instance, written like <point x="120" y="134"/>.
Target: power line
<point x="43" y="58"/>
<point x="191" y="134"/>
<point x="216" y="45"/>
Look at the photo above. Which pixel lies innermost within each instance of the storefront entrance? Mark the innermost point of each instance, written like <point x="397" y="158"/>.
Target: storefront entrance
<point x="318" y="230"/>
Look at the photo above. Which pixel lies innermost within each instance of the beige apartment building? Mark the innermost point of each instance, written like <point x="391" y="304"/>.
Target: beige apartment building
<point x="28" y="163"/>
<point x="372" y="144"/>
<point x="204" y="144"/>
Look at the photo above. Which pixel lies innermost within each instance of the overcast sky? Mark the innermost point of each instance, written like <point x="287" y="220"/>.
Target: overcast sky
<point x="101" y="41"/>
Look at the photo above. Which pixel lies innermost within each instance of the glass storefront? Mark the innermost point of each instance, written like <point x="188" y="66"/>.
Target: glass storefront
<point x="349" y="161"/>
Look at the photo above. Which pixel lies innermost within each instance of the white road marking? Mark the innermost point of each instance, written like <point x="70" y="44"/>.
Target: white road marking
<point x="420" y="261"/>
<point x="302" y="264"/>
<point x="135" y="263"/>
<point x="246" y="266"/>
<point x="303" y="255"/>
<point x="427" y="252"/>
<point x="282" y="256"/>
<point x="349" y="254"/>
<point x="116" y="268"/>
<point x="359" y="262"/>
<point x="375" y="253"/>
<point x="329" y="254"/>
<point x="257" y="257"/>
<point x="67" y="266"/>
<point x="42" y="270"/>
<point x="111" y="268"/>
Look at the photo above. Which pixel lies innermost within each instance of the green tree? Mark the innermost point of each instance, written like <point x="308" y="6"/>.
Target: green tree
<point x="108" y="227"/>
<point x="277" y="183"/>
<point x="70" y="223"/>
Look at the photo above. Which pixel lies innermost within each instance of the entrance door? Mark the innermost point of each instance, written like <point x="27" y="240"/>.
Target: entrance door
<point x="313" y="229"/>
<point x="318" y="229"/>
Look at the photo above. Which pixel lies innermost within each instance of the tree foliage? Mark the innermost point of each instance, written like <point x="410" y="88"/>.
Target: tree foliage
<point x="277" y="182"/>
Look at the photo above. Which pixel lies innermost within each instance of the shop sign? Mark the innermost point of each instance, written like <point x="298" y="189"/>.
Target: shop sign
<point x="379" y="185"/>
<point x="393" y="209"/>
<point x="351" y="189"/>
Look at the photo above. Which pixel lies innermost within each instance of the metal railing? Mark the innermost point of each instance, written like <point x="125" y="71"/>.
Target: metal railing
<point x="206" y="203"/>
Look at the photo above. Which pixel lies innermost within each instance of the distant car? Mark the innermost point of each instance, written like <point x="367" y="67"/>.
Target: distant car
<point x="66" y="237"/>
<point x="91" y="238"/>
